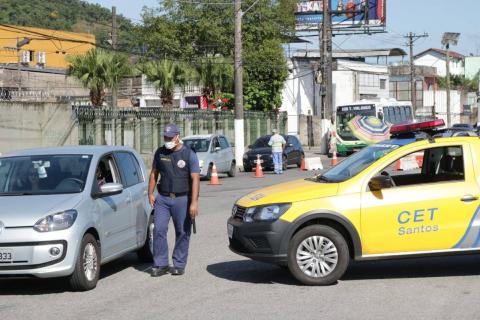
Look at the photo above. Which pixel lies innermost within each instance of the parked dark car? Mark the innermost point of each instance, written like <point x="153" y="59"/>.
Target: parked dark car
<point x="463" y="126"/>
<point x="292" y="154"/>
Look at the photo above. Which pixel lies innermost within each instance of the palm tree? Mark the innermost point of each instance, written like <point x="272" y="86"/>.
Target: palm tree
<point x="98" y="70"/>
<point x="165" y="75"/>
<point x="215" y="75"/>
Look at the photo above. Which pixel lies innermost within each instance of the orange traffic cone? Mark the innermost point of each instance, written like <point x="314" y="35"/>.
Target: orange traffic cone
<point x="302" y="164"/>
<point x="334" y="158"/>
<point x="258" y="169"/>
<point x="214" y="177"/>
<point x="398" y="165"/>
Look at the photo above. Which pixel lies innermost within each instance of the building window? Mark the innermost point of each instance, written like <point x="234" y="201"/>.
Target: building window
<point x="31" y="55"/>
<point x="383" y="83"/>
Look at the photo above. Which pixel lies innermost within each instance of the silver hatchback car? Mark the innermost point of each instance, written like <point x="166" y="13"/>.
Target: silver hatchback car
<point x="210" y="149"/>
<point x="65" y="211"/>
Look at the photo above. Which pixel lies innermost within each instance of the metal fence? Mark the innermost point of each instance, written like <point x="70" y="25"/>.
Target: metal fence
<point x="142" y="128"/>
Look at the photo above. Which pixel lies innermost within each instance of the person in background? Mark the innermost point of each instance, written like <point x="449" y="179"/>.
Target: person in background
<point x="277" y="142"/>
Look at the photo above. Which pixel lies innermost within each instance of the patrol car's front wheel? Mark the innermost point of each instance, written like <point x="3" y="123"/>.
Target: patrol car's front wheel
<point x="318" y="255"/>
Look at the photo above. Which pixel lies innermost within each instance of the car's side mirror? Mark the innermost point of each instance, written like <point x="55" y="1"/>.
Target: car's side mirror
<point x="290" y="145"/>
<point x="378" y="183"/>
<point x="217" y="149"/>
<point x="108" y="189"/>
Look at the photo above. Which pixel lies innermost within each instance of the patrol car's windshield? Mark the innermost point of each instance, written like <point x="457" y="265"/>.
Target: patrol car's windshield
<point x="354" y="164"/>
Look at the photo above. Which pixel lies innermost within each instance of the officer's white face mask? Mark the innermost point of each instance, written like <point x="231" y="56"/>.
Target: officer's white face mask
<point x="171" y="144"/>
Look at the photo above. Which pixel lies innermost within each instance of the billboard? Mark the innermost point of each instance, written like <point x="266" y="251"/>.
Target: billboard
<point x="345" y="13"/>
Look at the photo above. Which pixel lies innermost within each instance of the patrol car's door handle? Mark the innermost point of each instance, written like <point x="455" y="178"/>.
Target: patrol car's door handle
<point x="468" y="198"/>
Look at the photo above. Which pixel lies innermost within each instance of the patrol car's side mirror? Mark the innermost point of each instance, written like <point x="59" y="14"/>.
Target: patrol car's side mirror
<point x="378" y="183"/>
<point x="217" y="149"/>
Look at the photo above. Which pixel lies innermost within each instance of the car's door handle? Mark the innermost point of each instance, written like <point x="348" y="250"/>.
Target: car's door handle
<point x="468" y="198"/>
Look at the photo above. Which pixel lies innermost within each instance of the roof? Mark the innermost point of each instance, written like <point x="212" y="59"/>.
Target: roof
<point x="352" y="53"/>
<point x="91" y="150"/>
<point x="452" y="54"/>
<point x="199" y="136"/>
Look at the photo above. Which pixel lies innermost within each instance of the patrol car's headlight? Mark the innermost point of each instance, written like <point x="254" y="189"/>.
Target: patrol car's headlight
<point x="269" y="212"/>
<point x="55" y="222"/>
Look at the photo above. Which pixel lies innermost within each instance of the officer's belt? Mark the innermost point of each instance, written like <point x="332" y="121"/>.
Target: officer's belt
<point x="173" y="195"/>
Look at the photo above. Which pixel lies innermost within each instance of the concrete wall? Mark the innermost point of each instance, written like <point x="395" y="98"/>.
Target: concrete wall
<point x="439" y="99"/>
<point x="48" y="84"/>
<point x="36" y="124"/>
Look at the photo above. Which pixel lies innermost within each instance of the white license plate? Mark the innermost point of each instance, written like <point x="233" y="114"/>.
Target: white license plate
<point x="6" y="255"/>
<point x="230" y="230"/>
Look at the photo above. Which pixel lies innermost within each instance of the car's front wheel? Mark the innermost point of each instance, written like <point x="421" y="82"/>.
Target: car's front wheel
<point x="87" y="267"/>
<point x="233" y="170"/>
<point x="318" y="255"/>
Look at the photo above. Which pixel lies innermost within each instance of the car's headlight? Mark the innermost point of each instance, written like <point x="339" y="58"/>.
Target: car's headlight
<point x="200" y="163"/>
<point x="270" y="212"/>
<point x="58" y="221"/>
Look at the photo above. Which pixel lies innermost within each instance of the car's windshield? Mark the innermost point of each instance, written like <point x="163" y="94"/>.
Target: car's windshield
<point x="347" y="113"/>
<point x="354" y="164"/>
<point x="199" y="145"/>
<point x="44" y="174"/>
<point x="262" y="142"/>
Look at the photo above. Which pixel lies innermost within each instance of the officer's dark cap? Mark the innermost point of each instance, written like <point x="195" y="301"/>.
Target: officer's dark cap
<point x="171" y="130"/>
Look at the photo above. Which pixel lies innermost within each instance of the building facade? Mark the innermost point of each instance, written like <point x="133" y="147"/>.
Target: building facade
<point x="41" y="48"/>
<point x="437" y="58"/>
<point x="353" y="79"/>
<point x="472" y="67"/>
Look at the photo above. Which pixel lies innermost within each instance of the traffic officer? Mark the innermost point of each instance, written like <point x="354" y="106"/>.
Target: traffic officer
<point x="177" y="197"/>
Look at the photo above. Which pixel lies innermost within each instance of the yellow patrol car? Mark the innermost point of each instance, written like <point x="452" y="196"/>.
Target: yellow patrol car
<point x="415" y="194"/>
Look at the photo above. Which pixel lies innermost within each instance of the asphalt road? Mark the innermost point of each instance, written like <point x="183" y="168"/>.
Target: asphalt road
<point x="221" y="285"/>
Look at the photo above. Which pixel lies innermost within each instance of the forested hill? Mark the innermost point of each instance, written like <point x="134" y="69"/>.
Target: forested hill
<point x="69" y="15"/>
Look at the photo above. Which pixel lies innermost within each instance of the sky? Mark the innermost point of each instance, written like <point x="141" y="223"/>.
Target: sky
<point x="418" y="16"/>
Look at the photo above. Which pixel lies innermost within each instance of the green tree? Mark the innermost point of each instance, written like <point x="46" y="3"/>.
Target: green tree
<point x="195" y="31"/>
<point x="99" y="70"/>
<point x="215" y="75"/>
<point x="265" y="73"/>
<point x="165" y="75"/>
<point x="459" y="82"/>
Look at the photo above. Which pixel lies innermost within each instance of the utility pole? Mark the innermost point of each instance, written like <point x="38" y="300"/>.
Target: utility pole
<point x="449" y="117"/>
<point x="239" y="122"/>
<point x="447" y="39"/>
<point x="321" y="69"/>
<point x="114" y="91"/>
<point x="327" y="59"/>
<point x="412" y="37"/>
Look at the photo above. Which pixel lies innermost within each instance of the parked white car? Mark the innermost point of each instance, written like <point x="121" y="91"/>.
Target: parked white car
<point x="210" y="149"/>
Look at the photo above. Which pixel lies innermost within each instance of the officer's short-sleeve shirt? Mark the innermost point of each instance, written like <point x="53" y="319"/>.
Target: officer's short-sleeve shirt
<point x="192" y="161"/>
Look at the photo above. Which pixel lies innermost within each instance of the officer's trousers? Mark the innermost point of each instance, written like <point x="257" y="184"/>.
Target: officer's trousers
<point x="277" y="162"/>
<point x="177" y="208"/>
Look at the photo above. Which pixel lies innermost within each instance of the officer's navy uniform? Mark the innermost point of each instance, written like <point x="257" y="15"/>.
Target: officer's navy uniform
<point x="173" y="200"/>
